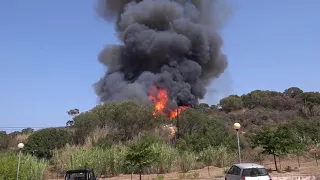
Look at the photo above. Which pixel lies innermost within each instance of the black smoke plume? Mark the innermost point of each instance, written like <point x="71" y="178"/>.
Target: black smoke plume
<point x="168" y="43"/>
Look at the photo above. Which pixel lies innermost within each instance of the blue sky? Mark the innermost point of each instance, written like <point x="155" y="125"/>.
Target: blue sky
<point x="48" y="54"/>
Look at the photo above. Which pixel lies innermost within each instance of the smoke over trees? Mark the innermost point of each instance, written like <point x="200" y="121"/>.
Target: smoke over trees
<point x="168" y="43"/>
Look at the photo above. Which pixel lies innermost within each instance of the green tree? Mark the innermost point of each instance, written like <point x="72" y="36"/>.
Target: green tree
<point x="27" y="131"/>
<point x="128" y="118"/>
<point x="203" y="107"/>
<point x="293" y="92"/>
<point x="199" y="131"/>
<point x="84" y="124"/>
<point x="109" y="140"/>
<point x="310" y="100"/>
<point x="280" y="103"/>
<point x="41" y="143"/>
<point x="230" y="103"/>
<point x="107" y="113"/>
<point x="307" y="131"/>
<point x="140" y="155"/>
<point x="258" y="98"/>
<point x="276" y="142"/>
<point x="289" y="142"/>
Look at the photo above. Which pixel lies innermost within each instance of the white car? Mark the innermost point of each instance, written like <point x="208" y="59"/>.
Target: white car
<point x="247" y="171"/>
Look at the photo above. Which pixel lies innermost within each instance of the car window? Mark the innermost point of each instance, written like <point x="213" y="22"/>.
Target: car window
<point x="236" y="170"/>
<point x="253" y="172"/>
<point x="230" y="170"/>
<point x="76" y="176"/>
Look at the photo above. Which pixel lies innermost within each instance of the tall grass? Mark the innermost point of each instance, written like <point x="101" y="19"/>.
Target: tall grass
<point x="187" y="161"/>
<point x="218" y="156"/>
<point x="108" y="162"/>
<point x="30" y="167"/>
<point x="168" y="157"/>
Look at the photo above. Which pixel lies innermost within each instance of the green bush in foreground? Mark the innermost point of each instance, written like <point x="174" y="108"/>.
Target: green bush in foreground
<point x="30" y="167"/>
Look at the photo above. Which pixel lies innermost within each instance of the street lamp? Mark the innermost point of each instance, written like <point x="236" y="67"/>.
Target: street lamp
<point x="237" y="126"/>
<point x="20" y="146"/>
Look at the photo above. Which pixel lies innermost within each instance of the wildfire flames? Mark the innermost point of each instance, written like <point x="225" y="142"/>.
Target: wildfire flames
<point x="159" y="98"/>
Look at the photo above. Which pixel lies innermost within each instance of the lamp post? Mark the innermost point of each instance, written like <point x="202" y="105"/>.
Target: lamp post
<point x="237" y="126"/>
<point x="20" y="146"/>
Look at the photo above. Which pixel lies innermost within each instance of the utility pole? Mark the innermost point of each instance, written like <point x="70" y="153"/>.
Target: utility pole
<point x="178" y="125"/>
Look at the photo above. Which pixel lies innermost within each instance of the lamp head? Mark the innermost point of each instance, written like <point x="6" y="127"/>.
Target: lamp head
<point x="236" y="126"/>
<point x="20" y="145"/>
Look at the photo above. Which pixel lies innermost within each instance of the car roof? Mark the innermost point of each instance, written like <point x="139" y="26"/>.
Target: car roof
<point x="248" y="165"/>
<point x="78" y="171"/>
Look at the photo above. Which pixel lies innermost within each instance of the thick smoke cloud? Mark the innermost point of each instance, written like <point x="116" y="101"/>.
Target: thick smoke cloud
<point x="169" y="43"/>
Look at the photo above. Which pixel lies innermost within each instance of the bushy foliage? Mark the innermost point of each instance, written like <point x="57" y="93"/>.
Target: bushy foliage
<point x="109" y="140"/>
<point x="199" y="131"/>
<point x="41" y="143"/>
<point x="140" y="155"/>
<point x="284" y="139"/>
<point x="231" y="103"/>
<point x="30" y="167"/>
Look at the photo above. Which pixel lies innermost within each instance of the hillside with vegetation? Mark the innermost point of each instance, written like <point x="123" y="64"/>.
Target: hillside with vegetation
<point x="124" y="138"/>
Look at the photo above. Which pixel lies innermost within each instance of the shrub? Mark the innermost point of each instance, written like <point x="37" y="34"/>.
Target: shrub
<point x="41" y="143"/>
<point x="140" y="156"/>
<point x="109" y="140"/>
<point x="30" y="167"/>
<point x="187" y="161"/>
<point x="199" y="131"/>
<point x="223" y="157"/>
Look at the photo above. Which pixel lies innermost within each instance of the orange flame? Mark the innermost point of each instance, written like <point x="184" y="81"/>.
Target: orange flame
<point x="160" y="100"/>
<point x="174" y="113"/>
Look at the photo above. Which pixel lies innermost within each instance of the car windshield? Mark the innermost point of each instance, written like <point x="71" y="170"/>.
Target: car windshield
<point x="76" y="176"/>
<point x="253" y="172"/>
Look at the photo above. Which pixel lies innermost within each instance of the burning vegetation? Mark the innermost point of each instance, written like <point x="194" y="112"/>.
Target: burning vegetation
<point x="159" y="98"/>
